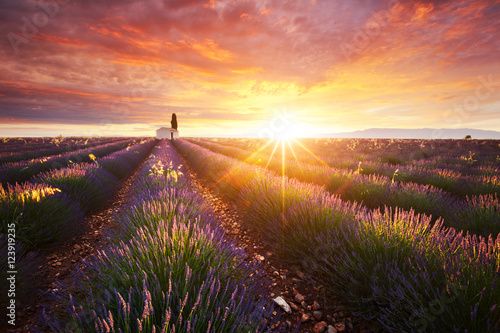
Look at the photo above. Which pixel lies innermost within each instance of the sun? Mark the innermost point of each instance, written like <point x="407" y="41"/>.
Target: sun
<point x="286" y="128"/>
<point x="287" y="134"/>
<point x="282" y="125"/>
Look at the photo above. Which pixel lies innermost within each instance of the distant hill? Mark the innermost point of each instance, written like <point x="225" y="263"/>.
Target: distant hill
<point x="421" y="133"/>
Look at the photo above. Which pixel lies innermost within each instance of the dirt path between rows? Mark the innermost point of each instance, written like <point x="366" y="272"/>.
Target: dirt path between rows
<point x="61" y="260"/>
<point x="308" y="302"/>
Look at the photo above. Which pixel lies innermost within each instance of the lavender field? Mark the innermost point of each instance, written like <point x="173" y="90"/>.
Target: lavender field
<point x="401" y="234"/>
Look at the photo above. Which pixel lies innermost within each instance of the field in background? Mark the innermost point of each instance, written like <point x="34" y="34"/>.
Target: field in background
<point x="405" y="232"/>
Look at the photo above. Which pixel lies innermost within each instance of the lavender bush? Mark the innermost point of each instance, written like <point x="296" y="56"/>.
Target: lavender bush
<point x="372" y="190"/>
<point x="26" y="279"/>
<point x="51" y="209"/>
<point x="18" y="172"/>
<point x="122" y="163"/>
<point x="26" y="152"/>
<point x="480" y="216"/>
<point x="42" y="214"/>
<point x="181" y="278"/>
<point x="169" y="267"/>
<point x="396" y="268"/>
<point x="85" y="183"/>
<point x="410" y="276"/>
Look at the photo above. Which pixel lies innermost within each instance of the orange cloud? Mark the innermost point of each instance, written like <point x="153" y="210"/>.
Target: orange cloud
<point x="422" y="11"/>
<point x="105" y="31"/>
<point x="60" y="40"/>
<point x="266" y="12"/>
<point x="209" y="49"/>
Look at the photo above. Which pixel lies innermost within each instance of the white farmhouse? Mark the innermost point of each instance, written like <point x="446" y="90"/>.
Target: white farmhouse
<point x="167" y="133"/>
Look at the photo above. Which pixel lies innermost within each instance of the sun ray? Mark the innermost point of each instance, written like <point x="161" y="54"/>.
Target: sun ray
<point x="295" y="156"/>
<point x="272" y="153"/>
<point x="227" y="174"/>
<point x="311" y="153"/>
<point x="283" y="142"/>
<point x="258" y="151"/>
<point x="239" y="165"/>
<point x="283" y="159"/>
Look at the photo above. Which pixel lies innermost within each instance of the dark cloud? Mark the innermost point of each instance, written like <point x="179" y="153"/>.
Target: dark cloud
<point x="177" y="4"/>
<point x="436" y="3"/>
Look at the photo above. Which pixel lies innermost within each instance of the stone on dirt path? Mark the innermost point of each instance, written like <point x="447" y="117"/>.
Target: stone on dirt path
<point x="331" y="329"/>
<point x="282" y="304"/>
<point x="320" y="327"/>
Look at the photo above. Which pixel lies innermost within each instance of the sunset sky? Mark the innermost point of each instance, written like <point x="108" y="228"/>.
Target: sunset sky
<point x="243" y="68"/>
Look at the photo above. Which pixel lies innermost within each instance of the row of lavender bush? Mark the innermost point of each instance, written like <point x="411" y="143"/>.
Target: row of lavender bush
<point x="51" y="210"/>
<point x="455" y="158"/>
<point x="453" y="181"/>
<point x="32" y="142"/>
<point x="443" y="154"/>
<point x="169" y="267"/>
<point x="50" y="207"/>
<point x="23" y="153"/>
<point x="475" y="214"/>
<point x="449" y="180"/>
<point x="18" y="172"/>
<point x="394" y="268"/>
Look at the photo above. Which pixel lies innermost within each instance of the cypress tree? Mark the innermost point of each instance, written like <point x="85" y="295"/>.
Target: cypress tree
<point x="174" y="121"/>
